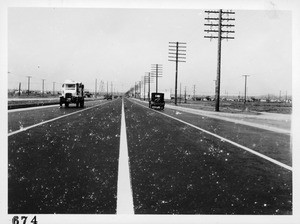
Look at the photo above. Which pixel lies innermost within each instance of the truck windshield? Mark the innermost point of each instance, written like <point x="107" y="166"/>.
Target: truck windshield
<point x="70" y="86"/>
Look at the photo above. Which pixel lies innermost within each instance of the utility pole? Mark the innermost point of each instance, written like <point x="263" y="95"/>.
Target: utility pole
<point x="245" y="87"/>
<point x="28" y="83"/>
<point x="145" y="81"/>
<point x="106" y="89"/>
<point x="19" y="89"/>
<point x="194" y="91"/>
<point x="144" y="87"/>
<point x="43" y="87"/>
<point x="185" y="94"/>
<point x="279" y="95"/>
<point x="101" y="89"/>
<point x="95" y="88"/>
<point x="177" y="53"/>
<point x="156" y="71"/>
<point x="218" y="21"/>
<point x="53" y="88"/>
<point x="180" y="94"/>
<point x="215" y="81"/>
<point x="111" y="89"/>
<point x="140" y="89"/>
<point x="149" y="80"/>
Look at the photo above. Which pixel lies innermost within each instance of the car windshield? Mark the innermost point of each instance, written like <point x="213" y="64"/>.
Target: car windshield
<point x="70" y="86"/>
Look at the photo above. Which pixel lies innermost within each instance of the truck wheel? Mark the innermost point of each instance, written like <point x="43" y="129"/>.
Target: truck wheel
<point x="67" y="104"/>
<point x="82" y="104"/>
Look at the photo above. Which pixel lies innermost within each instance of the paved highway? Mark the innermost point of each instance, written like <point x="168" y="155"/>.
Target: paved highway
<point x="68" y="160"/>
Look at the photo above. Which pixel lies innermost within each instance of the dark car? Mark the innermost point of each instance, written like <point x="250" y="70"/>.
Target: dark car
<point x="108" y="97"/>
<point x="157" y="100"/>
<point x="87" y="94"/>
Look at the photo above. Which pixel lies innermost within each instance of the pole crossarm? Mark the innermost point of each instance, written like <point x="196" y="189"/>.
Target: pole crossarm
<point x="176" y="61"/>
<point x="177" y="43"/>
<point x="223" y="25"/>
<point x="223" y="31"/>
<point x="176" y="57"/>
<point x="177" y="54"/>
<point x="177" y="50"/>
<point x="218" y="37"/>
<point x="223" y="12"/>
<point x="178" y="47"/>
<point x="223" y="19"/>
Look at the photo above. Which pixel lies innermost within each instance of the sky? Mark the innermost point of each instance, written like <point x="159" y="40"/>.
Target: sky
<point x="119" y="46"/>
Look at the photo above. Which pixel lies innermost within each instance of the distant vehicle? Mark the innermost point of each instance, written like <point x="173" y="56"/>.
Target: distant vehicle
<point x="87" y="94"/>
<point x="18" y="92"/>
<point x="108" y="97"/>
<point x="72" y="92"/>
<point x="157" y="100"/>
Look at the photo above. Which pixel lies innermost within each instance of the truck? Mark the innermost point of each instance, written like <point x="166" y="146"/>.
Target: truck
<point x="72" y="92"/>
<point x="157" y="100"/>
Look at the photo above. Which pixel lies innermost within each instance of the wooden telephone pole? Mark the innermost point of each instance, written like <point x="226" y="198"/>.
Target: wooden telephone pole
<point x="220" y="22"/>
<point x="245" y="96"/>
<point x="156" y="72"/>
<point x="177" y="53"/>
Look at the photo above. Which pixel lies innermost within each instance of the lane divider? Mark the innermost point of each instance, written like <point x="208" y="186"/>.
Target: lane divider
<point x="31" y="108"/>
<point x="226" y="140"/>
<point x="237" y="121"/>
<point x="53" y="119"/>
<point x="124" y="192"/>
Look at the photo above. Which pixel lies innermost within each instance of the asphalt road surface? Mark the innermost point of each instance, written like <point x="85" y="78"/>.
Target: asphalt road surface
<point x="66" y="160"/>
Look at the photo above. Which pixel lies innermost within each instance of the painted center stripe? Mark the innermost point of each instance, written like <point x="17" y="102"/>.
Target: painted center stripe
<point x="124" y="194"/>
<point x="229" y="141"/>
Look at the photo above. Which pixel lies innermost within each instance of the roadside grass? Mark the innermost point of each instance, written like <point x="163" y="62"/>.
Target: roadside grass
<point x="238" y="107"/>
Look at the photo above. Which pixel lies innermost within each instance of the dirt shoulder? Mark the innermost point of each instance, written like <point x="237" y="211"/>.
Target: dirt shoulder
<point x="270" y="121"/>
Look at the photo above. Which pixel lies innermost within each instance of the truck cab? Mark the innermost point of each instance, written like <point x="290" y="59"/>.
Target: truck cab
<point x="157" y="100"/>
<point x="72" y="92"/>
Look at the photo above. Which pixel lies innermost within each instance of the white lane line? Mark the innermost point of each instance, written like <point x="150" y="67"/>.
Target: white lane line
<point x="261" y="126"/>
<point x="229" y="141"/>
<point x="237" y="121"/>
<point x="124" y="193"/>
<point x="32" y="108"/>
<point x="54" y="119"/>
